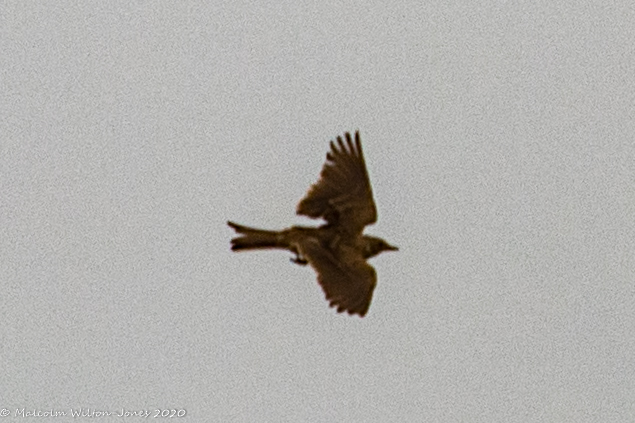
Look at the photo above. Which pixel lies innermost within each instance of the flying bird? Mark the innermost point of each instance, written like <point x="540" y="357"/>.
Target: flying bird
<point x="337" y="250"/>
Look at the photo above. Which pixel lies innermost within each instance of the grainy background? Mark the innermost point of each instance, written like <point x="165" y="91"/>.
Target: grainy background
<point x="500" y="141"/>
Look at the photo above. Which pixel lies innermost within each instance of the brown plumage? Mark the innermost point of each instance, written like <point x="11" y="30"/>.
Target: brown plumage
<point x="336" y="250"/>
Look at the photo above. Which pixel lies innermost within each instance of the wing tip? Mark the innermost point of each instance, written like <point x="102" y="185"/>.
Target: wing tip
<point x="352" y="147"/>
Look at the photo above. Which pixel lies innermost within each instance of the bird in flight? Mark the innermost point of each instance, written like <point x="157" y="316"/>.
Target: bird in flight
<point x="337" y="250"/>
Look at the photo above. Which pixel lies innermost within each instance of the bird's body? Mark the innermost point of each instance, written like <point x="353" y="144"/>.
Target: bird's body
<point x="336" y="250"/>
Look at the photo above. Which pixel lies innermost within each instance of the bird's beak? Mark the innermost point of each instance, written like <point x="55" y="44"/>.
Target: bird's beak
<point x="392" y="248"/>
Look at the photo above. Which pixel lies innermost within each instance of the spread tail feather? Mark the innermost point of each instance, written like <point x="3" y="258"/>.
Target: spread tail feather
<point x="252" y="238"/>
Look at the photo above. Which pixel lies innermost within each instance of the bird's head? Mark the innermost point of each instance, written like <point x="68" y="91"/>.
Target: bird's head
<point x="374" y="246"/>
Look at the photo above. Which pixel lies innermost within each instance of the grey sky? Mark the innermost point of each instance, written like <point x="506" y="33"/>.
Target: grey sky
<point x="500" y="142"/>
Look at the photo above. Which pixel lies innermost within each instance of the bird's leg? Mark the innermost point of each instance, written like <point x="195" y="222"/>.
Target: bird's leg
<point x="298" y="259"/>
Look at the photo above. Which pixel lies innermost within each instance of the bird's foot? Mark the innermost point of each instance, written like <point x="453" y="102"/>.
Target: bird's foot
<point x="299" y="260"/>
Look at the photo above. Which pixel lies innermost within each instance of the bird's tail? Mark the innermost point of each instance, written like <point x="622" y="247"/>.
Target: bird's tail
<point x="252" y="238"/>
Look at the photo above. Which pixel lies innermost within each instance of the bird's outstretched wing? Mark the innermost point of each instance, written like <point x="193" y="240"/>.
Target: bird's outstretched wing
<point x="348" y="280"/>
<point x="342" y="195"/>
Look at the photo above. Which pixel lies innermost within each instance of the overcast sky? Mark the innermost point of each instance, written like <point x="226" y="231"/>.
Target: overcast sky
<point x="500" y="142"/>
